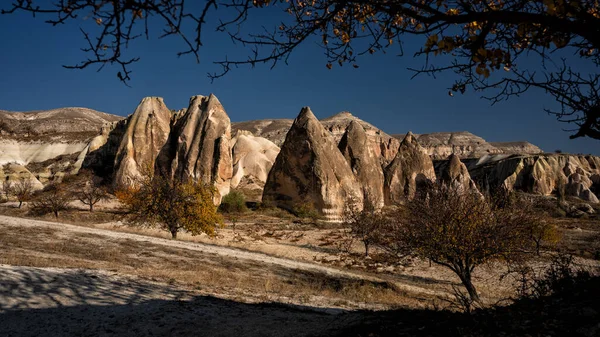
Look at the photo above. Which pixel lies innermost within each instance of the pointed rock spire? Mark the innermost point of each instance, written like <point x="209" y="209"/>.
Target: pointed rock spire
<point x="310" y="169"/>
<point x="455" y="175"/>
<point x="365" y="165"/>
<point x="199" y="147"/>
<point x="146" y="132"/>
<point x="411" y="168"/>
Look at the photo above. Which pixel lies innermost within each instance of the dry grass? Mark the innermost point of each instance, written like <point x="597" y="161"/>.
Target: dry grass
<point x="191" y="269"/>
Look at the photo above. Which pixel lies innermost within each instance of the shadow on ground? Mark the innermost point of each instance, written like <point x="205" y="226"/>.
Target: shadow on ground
<point x="58" y="302"/>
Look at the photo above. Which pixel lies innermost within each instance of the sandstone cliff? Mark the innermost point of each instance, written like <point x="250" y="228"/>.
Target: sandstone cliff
<point x="440" y="145"/>
<point x="540" y="174"/>
<point x="311" y="169"/>
<point x="411" y="168"/>
<point x="365" y="164"/>
<point x="199" y="147"/>
<point x="146" y="133"/>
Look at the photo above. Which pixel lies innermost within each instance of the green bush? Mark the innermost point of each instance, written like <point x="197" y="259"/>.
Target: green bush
<point x="306" y="210"/>
<point x="233" y="202"/>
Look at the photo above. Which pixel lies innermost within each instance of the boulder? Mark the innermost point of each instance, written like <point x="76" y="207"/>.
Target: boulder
<point x="411" y="168"/>
<point x="311" y="169"/>
<point x="364" y="163"/>
<point x="199" y="145"/>
<point x="253" y="158"/>
<point x="146" y="133"/>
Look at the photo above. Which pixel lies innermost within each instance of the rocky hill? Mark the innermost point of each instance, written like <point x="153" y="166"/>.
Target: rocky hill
<point x="464" y="144"/>
<point x="63" y="124"/>
<point x="50" y="143"/>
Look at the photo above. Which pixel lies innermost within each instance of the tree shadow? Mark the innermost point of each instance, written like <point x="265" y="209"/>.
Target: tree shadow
<point x="52" y="302"/>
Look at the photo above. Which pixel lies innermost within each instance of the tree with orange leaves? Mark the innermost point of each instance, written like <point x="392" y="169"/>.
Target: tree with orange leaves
<point x="172" y="205"/>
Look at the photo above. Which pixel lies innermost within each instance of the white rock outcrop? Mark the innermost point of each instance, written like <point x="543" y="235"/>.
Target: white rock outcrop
<point x="253" y="158"/>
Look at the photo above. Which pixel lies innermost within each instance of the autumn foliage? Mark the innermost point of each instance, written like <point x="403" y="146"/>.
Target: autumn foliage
<point x="172" y="205"/>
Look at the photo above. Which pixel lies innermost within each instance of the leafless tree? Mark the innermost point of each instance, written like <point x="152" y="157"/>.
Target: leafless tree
<point x="54" y="199"/>
<point x="87" y="188"/>
<point x="23" y="190"/>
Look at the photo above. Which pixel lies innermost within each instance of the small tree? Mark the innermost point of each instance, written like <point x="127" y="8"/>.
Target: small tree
<point x="541" y="231"/>
<point x="173" y="205"/>
<point x="364" y="225"/>
<point x="87" y="188"/>
<point x="7" y="189"/>
<point x="23" y="190"/>
<point x="54" y="198"/>
<point x="233" y="202"/>
<point x="462" y="230"/>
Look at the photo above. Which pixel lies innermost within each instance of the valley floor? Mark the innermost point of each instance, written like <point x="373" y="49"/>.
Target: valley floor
<point x="266" y="278"/>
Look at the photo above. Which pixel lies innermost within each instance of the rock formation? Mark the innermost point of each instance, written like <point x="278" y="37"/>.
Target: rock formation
<point x="539" y="174"/>
<point x="146" y="133"/>
<point x="440" y="145"/>
<point x="275" y="130"/>
<point x="102" y="149"/>
<point x="364" y="163"/>
<point x="50" y="143"/>
<point x="311" y="169"/>
<point x="454" y="173"/>
<point x="516" y="147"/>
<point x="253" y="158"/>
<point x="411" y="168"/>
<point x="15" y="172"/>
<point x="383" y="145"/>
<point x="199" y="146"/>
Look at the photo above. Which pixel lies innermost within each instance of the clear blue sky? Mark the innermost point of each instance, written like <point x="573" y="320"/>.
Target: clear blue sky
<point x="380" y="91"/>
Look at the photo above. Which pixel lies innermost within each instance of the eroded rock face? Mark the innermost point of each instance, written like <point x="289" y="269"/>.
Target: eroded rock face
<point x="146" y="133"/>
<point x="311" y="169"/>
<point x="199" y="147"/>
<point x="253" y="158"/>
<point x="440" y="145"/>
<point x="14" y="173"/>
<point x="102" y="149"/>
<point x="365" y="164"/>
<point x="275" y="130"/>
<point x="539" y="174"/>
<point x="579" y="186"/>
<point x="382" y="145"/>
<point x="455" y="175"/>
<point x="411" y="168"/>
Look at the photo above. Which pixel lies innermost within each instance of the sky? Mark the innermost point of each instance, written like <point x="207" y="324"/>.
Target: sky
<point x="380" y="91"/>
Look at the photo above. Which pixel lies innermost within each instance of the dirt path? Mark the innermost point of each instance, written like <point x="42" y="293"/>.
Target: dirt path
<point x="200" y="247"/>
<point x="209" y="249"/>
